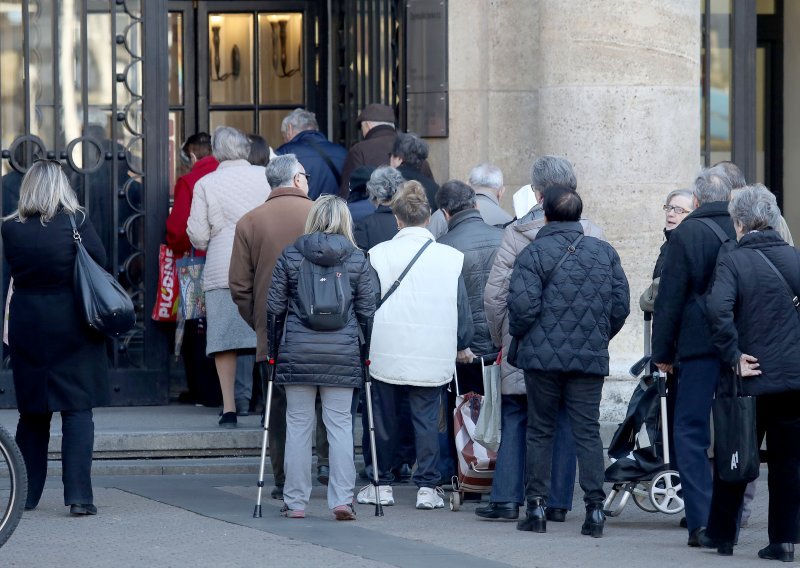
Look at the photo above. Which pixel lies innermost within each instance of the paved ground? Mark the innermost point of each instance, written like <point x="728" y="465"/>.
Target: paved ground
<point x="206" y="521"/>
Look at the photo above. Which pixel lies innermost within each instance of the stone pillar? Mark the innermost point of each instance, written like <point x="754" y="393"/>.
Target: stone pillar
<point x="619" y="97"/>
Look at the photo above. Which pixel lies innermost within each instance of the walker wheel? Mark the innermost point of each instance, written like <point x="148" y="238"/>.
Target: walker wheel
<point x="455" y="501"/>
<point x="665" y="492"/>
<point x="641" y="496"/>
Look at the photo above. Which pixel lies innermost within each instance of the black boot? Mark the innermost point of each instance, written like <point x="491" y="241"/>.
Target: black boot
<point x="535" y="519"/>
<point x="595" y="519"/>
<point x="783" y="551"/>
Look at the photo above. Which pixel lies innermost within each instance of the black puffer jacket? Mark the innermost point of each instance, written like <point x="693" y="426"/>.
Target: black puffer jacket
<point x="680" y="328"/>
<point x="377" y="228"/>
<point x="306" y="356"/>
<point x="479" y="242"/>
<point x="567" y="326"/>
<point x="752" y="312"/>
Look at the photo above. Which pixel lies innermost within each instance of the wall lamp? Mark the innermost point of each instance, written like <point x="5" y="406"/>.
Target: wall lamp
<point x="236" y="59"/>
<point x="279" y="39"/>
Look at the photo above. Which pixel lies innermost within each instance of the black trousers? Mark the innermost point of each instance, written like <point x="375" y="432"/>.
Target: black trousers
<point x="778" y="417"/>
<point x="581" y="396"/>
<point x="77" y="442"/>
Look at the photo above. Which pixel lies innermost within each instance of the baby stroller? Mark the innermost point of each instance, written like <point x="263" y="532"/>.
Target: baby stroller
<point x="475" y="470"/>
<point x="640" y="451"/>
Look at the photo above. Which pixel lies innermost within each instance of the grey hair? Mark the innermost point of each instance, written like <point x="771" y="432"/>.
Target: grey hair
<point x="712" y="185"/>
<point x="552" y="170"/>
<point x="383" y="184"/>
<point x="412" y="149"/>
<point x="755" y="208"/>
<point x="486" y="175"/>
<point x="299" y="119"/>
<point x="45" y="190"/>
<point x="228" y="143"/>
<point x="678" y="193"/>
<point x="330" y="215"/>
<point x="281" y="170"/>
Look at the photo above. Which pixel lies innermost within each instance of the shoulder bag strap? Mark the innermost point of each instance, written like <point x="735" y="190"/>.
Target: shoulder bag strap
<point x="721" y="235"/>
<point x="396" y="283"/>
<point x="774" y="268"/>
<point x="75" y="234"/>
<point x="328" y="161"/>
<point x="570" y="249"/>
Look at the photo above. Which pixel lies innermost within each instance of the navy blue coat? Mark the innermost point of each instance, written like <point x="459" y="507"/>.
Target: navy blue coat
<point x="566" y="326"/>
<point x="680" y="327"/>
<point x="322" y="178"/>
<point x="751" y="311"/>
<point x="312" y="357"/>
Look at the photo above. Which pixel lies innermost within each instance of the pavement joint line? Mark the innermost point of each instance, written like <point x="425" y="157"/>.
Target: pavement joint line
<point x="207" y="498"/>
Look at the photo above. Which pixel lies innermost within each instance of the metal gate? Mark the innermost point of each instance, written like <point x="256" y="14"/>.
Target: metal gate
<point x="78" y="83"/>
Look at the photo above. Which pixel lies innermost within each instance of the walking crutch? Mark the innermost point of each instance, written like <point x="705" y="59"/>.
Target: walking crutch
<point x="368" y="390"/>
<point x="267" y="377"/>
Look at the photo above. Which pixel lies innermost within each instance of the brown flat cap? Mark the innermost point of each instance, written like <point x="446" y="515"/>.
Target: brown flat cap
<point x="376" y="113"/>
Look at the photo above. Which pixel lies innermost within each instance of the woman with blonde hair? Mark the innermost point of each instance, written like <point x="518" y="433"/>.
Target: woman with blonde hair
<point x="319" y="349"/>
<point x="59" y="362"/>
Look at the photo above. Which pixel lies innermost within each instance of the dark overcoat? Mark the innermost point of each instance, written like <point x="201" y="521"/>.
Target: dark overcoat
<point x="59" y="363"/>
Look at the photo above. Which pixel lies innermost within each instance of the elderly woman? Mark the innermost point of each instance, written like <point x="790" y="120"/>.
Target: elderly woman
<point x="408" y="156"/>
<point x="381" y="225"/>
<point x="311" y="358"/>
<point x="417" y="334"/>
<point x="59" y="363"/>
<point x="755" y="325"/>
<point x="220" y="199"/>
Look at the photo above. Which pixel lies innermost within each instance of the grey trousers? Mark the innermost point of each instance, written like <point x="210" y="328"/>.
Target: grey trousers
<point x="300" y="415"/>
<point x="243" y="386"/>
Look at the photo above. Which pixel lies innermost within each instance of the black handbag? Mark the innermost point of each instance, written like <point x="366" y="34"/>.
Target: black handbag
<point x="105" y="304"/>
<point x="736" y="444"/>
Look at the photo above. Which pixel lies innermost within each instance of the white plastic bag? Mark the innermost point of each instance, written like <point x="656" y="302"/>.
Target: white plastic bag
<point x="487" y="428"/>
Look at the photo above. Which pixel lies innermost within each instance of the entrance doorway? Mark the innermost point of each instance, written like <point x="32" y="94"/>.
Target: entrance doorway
<point x="244" y="64"/>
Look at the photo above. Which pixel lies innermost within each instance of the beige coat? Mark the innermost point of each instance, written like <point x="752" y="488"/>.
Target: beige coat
<point x="261" y="235"/>
<point x="517" y="236"/>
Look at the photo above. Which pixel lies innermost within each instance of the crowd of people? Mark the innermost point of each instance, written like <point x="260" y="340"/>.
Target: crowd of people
<point x="328" y="264"/>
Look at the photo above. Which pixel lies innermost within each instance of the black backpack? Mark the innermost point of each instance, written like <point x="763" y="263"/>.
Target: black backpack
<point x="324" y="296"/>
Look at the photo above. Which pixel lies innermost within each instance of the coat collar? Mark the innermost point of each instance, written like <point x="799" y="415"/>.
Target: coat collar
<point x="561" y="227"/>
<point x="284" y="191"/>
<point x="488" y="195"/>
<point x="233" y="164"/>
<point x="414" y="233"/>
<point x="381" y="130"/>
<point x="713" y="209"/>
<point x="467" y="216"/>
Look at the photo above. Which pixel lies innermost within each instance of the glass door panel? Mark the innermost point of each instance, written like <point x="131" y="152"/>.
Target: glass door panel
<point x="175" y="49"/>
<point x="231" y="58"/>
<point x="281" y="64"/>
<point x="241" y="119"/>
<point x="269" y="126"/>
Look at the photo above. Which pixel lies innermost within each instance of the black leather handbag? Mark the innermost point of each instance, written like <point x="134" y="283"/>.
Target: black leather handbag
<point x="105" y="304"/>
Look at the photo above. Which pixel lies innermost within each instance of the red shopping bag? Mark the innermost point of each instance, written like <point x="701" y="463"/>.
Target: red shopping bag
<point x="166" y="306"/>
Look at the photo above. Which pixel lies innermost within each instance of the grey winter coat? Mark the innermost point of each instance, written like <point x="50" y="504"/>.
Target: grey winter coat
<point x="515" y="238"/>
<point x="307" y="356"/>
<point x="565" y="325"/>
<point x="479" y="242"/>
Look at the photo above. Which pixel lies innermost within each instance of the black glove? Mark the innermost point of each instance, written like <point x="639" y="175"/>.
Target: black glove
<point x="274" y="333"/>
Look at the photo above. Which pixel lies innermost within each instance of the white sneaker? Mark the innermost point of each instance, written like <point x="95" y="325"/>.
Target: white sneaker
<point x="367" y="495"/>
<point x="428" y="498"/>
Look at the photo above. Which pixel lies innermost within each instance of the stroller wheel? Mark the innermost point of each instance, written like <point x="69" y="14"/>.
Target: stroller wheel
<point x="641" y="496"/>
<point x="665" y="492"/>
<point x="455" y="501"/>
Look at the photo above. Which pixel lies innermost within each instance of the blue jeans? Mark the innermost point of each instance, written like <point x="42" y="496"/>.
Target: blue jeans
<point x="697" y="382"/>
<point x="509" y="476"/>
<point x="424" y="403"/>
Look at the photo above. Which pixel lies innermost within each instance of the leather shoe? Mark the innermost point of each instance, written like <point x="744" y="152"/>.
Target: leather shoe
<point x="277" y="492"/>
<point x="556" y="515"/>
<point x="783" y="551"/>
<point x="723" y="548"/>
<point x="81" y="510"/>
<point x="693" y="537"/>
<point x="323" y="474"/>
<point x="594" y="522"/>
<point x="535" y="519"/>
<point x="498" y="511"/>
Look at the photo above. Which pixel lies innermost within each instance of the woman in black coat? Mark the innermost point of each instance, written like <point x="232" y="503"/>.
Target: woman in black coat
<point x="310" y="358"/>
<point x="381" y="225"/>
<point x="58" y="361"/>
<point x="755" y="325"/>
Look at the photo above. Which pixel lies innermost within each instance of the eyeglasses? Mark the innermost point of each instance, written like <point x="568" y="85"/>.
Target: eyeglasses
<point x="677" y="210"/>
<point x="308" y="176"/>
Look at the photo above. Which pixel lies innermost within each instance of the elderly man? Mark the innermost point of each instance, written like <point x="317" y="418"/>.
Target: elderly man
<point x="681" y="334"/>
<point x="376" y="122"/>
<point x="261" y="235"/>
<point x="322" y="159"/>
<point x="561" y="281"/>
<point x="487" y="181"/>
<point x="507" y="487"/>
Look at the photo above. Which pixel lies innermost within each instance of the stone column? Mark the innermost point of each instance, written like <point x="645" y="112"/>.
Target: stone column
<point x="619" y="96"/>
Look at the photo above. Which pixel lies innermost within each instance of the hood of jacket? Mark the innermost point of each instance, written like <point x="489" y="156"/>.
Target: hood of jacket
<point x="325" y="249"/>
<point x="531" y="223"/>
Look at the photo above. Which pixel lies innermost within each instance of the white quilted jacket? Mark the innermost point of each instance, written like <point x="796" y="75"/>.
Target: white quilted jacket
<point x="220" y="199"/>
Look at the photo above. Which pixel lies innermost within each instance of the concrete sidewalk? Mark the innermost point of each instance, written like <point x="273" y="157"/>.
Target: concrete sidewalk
<point x="206" y="521"/>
